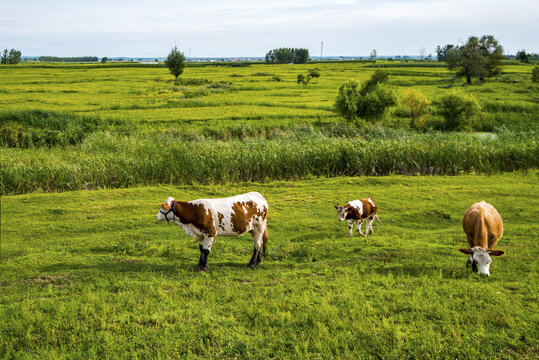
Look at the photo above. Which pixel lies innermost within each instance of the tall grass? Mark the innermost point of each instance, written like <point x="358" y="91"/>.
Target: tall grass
<point x="107" y="161"/>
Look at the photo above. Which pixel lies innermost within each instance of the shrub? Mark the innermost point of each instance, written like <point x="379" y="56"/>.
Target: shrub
<point x="459" y="111"/>
<point x="374" y="104"/>
<point x="417" y="103"/>
<point x="346" y="103"/>
<point x="368" y="102"/>
<point x="535" y="74"/>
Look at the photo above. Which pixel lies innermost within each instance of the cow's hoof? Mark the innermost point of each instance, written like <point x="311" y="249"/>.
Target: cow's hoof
<point x="202" y="268"/>
<point x="251" y="266"/>
<point x="364" y="235"/>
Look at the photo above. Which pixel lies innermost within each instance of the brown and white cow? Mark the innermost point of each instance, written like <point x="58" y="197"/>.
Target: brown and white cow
<point x="354" y="212"/>
<point x="204" y="219"/>
<point x="483" y="227"/>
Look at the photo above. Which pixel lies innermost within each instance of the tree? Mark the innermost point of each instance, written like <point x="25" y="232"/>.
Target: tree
<point x="104" y="60"/>
<point x="11" y="57"/>
<point x="417" y="102"/>
<point x="478" y="58"/>
<point x="373" y="54"/>
<point x="175" y="62"/>
<point x="287" y="55"/>
<point x="302" y="79"/>
<point x="441" y="52"/>
<point x="422" y="53"/>
<point x="367" y="102"/>
<point x="523" y="56"/>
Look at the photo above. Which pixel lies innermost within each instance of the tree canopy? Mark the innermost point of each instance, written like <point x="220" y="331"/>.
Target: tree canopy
<point x="441" y="52"/>
<point x="287" y="55"/>
<point x="175" y="62"/>
<point x="11" y="57"/>
<point x="478" y="58"/>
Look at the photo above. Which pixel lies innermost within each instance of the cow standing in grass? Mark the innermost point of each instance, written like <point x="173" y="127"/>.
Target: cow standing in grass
<point x="483" y="226"/>
<point x="204" y="219"/>
<point x="354" y="212"/>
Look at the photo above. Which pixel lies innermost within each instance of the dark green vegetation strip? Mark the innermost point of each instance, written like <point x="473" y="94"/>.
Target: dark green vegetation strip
<point x="106" y="161"/>
<point x="92" y="275"/>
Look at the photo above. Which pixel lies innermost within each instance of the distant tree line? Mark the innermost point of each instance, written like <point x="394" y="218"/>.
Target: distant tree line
<point x="287" y="55"/>
<point x="69" y="59"/>
<point x="525" y="57"/>
<point x="11" y="57"/>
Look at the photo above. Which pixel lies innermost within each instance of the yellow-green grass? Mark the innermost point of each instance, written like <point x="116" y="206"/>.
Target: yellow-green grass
<point x="92" y="274"/>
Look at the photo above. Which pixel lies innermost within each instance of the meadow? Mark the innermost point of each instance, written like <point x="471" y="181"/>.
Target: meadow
<point x="92" y="274"/>
<point x="88" y="153"/>
<point x="72" y="127"/>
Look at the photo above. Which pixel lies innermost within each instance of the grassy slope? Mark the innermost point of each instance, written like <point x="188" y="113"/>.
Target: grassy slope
<point x="92" y="275"/>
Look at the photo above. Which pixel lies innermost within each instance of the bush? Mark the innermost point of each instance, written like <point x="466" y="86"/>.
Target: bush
<point x="535" y="74"/>
<point x="368" y="102"/>
<point x="346" y="103"/>
<point x="374" y="104"/>
<point x="459" y="111"/>
<point x="417" y="103"/>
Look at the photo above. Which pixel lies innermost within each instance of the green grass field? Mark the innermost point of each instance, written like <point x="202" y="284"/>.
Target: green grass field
<point x="92" y="274"/>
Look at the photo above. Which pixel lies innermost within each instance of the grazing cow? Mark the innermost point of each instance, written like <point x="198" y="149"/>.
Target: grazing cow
<point x="483" y="227"/>
<point x="354" y="212"/>
<point x="204" y="219"/>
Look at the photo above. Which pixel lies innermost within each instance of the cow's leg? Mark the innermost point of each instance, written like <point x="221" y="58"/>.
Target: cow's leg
<point x="350" y="227"/>
<point x="359" y="228"/>
<point x="257" y="245"/>
<point x="205" y="248"/>
<point x="369" y="225"/>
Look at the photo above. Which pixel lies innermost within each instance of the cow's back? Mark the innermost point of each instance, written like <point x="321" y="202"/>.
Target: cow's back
<point x="483" y="225"/>
<point x="238" y="214"/>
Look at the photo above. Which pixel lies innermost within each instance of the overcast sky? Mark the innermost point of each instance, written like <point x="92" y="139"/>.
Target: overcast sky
<point x="228" y="28"/>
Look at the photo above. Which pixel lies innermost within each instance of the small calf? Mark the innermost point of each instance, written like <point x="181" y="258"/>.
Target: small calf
<point x="483" y="226"/>
<point x="354" y="212"/>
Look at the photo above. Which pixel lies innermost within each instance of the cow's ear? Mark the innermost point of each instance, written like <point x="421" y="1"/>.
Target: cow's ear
<point x="336" y="207"/>
<point x="165" y="206"/>
<point x="496" y="252"/>
<point x="466" y="251"/>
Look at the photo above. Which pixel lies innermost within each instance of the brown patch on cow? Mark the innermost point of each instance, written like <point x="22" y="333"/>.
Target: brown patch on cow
<point x="368" y="209"/>
<point x="352" y="213"/>
<point x="220" y="218"/>
<point x="242" y="214"/>
<point x="483" y="225"/>
<point x="197" y="215"/>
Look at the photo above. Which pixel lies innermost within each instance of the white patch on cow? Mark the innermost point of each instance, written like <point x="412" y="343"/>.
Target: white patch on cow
<point x="357" y="204"/>
<point x="372" y="202"/>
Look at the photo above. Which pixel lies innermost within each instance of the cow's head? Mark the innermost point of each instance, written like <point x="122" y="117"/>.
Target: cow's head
<point x="166" y="212"/>
<point x="480" y="259"/>
<point x="342" y="211"/>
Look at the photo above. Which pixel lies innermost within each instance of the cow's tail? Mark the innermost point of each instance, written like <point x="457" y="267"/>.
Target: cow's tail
<point x="265" y="238"/>
<point x="377" y="218"/>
